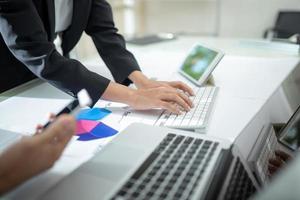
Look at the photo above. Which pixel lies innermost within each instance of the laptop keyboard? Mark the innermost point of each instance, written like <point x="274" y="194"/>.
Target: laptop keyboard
<point x="172" y="171"/>
<point x="197" y="116"/>
<point x="240" y="186"/>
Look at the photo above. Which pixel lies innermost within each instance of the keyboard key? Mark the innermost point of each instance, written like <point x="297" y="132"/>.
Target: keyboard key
<point x="185" y="122"/>
<point x="145" y="165"/>
<point x="188" y="140"/>
<point x="122" y="193"/>
<point x="178" y="139"/>
<point x="128" y="185"/>
<point x="135" y="194"/>
<point x="170" y="136"/>
<point x="198" y="142"/>
<point x="150" y="194"/>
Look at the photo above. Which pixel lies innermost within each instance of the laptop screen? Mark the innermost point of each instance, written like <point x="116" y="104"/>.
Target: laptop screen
<point x="199" y="59"/>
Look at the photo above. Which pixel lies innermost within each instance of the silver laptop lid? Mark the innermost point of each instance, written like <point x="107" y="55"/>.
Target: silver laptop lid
<point x="104" y="175"/>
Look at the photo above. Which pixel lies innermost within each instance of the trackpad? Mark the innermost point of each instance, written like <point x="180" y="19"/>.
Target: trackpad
<point x="114" y="162"/>
<point x="100" y="176"/>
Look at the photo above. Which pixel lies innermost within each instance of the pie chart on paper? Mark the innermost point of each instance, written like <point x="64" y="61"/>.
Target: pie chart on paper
<point x="88" y="130"/>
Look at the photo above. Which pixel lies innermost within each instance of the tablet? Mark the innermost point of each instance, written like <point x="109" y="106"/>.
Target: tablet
<point x="200" y="63"/>
<point x="290" y="134"/>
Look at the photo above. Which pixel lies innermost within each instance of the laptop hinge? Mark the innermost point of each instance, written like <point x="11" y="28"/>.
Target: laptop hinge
<point x="219" y="175"/>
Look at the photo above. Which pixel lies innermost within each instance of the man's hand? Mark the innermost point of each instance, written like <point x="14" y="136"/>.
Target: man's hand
<point x="33" y="155"/>
<point x="280" y="160"/>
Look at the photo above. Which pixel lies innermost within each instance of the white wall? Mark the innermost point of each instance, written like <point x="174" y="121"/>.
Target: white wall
<point x="230" y="18"/>
<point x="226" y="18"/>
<point x="193" y="16"/>
<point x="250" y="18"/>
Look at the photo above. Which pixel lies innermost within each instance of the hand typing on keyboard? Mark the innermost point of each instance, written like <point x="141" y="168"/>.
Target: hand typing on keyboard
<point x="161" y="94"/>
<point x="197" y="116"/>
<point x="169" y="84"/>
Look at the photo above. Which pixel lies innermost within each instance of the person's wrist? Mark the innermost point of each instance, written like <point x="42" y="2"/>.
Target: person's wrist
<point x="132" y="95"/>
<point x="139" y="79"/>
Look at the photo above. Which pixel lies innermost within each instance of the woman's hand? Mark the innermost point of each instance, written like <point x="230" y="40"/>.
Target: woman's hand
<point x="172" y="96"/>
<point x="33" y="155"/>
<point x="168" y="98"/>
<point x="142" y="82"/>
<point x="161" y="97"/>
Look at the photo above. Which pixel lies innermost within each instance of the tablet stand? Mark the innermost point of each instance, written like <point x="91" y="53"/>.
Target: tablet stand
<point x="210" y="81"/>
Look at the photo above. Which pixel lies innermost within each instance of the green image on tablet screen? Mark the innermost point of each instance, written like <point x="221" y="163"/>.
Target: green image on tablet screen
<point x="198" y="61"/>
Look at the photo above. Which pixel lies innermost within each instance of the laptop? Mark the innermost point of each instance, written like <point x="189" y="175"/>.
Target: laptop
<point x="149" y="162"/>
<point x="196" y="68"/>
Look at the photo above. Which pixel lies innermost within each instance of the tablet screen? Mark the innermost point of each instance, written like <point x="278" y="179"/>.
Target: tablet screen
<point x="198" y="61"/>
<point x="290" y="135"/>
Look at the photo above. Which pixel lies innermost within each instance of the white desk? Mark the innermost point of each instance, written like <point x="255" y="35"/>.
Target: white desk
<point x="246" y="84"/>
<point x="250" y="73"/>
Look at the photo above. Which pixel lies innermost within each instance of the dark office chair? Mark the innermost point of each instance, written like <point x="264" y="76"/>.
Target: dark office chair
<point x="287" y="25"/>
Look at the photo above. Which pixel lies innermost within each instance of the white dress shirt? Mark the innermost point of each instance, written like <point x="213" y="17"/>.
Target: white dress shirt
<point x="63" y="14"/>
<point x="63" y="19"/>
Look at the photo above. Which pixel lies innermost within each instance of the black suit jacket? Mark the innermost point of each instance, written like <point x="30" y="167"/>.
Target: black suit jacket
<point x="27" y="49"/>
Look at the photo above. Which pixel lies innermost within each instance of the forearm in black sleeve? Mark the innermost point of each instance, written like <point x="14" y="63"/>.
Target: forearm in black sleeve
<point x="24" y="35"/>
<point x="110" y="44"/>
